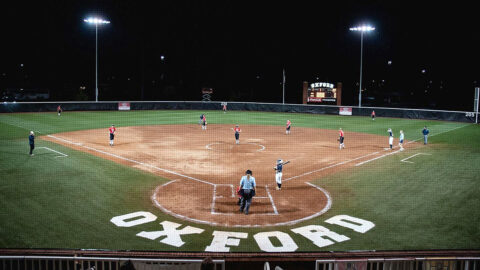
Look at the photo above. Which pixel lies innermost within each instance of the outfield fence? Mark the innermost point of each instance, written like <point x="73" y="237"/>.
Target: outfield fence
<point x="458" y="116"/>
<point x="101" y="263"/>
<point x="433" y="263"/>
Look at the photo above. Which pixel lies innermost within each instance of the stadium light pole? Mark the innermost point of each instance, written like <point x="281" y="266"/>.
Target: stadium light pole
<point x="96" y="21"/>
<point x="362" y="29"/>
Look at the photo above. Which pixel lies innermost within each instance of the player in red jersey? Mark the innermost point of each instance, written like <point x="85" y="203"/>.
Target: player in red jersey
<point x="224" y="108"/>
<point x="59" y="110"/>
<point x="204" y="123"/>
<point x="373" y="115"/>
<point x="341" y="138"/>
<point x="112" y="130"/>
<point x="237" y="131"/>
<point x="288" y="127"/>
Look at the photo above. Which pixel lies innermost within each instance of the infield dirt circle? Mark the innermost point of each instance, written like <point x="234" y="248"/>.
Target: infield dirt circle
<point x="205" y="167"/>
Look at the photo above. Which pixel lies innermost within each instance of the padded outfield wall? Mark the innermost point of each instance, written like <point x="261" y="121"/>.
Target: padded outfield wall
<point x="457" y="116"/>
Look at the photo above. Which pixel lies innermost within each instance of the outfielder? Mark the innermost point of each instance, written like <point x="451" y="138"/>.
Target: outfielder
<point x="401" y="138"/>
<point x="289" y="124"/>
<point x="278" y="172"/>
<point x="237" y="131"/>
<point x="390" y="138"/>
<point x="112" y="130"/>
<point x="341" y="138"/>
<point x="373" y="115"/>
<point x="59" y="110"/>
<point x="224" y="108"/>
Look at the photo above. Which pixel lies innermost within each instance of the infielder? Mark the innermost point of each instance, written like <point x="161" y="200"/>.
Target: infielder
<point x="112" y="130"/>
<point x="289" y="124"/>
<point x="204" y="122"/>
<point x="341" y="139"/>
<point x="237" y="131"/>
<point x="390" y="138"/>
<point x="247" y="190"/>
<point x="401" y="138"/>
<point x="278" y="172"/>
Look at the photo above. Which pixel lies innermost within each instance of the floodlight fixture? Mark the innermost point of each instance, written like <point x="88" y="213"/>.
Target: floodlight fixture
<point x="362" y="29"/>
<point x="96" y="21"/>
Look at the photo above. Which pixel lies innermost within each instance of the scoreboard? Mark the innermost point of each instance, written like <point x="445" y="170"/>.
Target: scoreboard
<point x="322" y="92"/>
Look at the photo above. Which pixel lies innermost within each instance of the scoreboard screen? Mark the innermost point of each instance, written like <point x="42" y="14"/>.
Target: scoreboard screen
<point x="321" y="92"/>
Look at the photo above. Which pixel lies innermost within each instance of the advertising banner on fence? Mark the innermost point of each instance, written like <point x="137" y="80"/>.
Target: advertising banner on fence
<point x="345" y="111"/>
<point x="124" y="106"/>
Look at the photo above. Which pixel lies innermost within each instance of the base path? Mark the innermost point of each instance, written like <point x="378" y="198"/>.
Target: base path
<point x="205" y="167"/>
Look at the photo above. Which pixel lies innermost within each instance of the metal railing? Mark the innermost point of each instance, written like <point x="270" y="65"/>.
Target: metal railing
<point x="100" y="263"/>
<point x="433" y="263"/>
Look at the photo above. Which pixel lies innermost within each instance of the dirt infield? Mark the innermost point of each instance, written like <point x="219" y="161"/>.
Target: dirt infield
<point x="205" y="167"/>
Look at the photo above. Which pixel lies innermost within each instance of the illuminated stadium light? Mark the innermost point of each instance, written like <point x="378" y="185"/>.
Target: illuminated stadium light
<point x="96" y="21"/>
<point x="362" y="29"/>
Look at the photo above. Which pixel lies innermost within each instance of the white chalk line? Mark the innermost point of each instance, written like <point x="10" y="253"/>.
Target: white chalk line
<point x="367" y="161"/>
<point x="49" y="149"/>
<point x="328" y="167"/>
<point x="165" y="210"/>
<point x="131" y="160"/>
<point x="271" y="201"/>
<point x="348" y="161"/>
<point x="405" y="159"/>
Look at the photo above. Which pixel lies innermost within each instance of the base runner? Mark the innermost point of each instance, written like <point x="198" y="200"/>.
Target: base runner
<point x="278" y="172"/>
<point x="390" y="138"/>
<point x="401" y="138"/>
<point x="112" y="131"/>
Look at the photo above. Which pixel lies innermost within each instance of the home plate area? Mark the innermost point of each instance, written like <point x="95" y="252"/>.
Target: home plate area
<point x="225" y="198"/>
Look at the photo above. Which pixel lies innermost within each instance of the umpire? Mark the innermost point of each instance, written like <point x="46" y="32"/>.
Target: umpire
<point x="31" y="141"/>
<point x="247" y="190"/>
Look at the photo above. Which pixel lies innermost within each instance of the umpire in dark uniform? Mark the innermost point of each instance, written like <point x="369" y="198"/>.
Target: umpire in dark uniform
<point x="31" y="141"/>
<point x="247" y="190"/>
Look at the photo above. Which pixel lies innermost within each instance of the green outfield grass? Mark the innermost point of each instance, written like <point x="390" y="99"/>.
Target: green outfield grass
<point x="54" y="202"/>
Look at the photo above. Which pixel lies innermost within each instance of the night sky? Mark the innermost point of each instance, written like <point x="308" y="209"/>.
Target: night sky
<point x="239" y="48"/>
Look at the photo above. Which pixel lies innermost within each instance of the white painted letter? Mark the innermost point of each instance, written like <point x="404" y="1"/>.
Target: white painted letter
<point x="173" y="235"/>
<point x="358" y="225"/>
<point x="222" y="239"/>
<point x="316" y="234"/>
<point x="264" y="243"/>
<point x="145" y="218"/>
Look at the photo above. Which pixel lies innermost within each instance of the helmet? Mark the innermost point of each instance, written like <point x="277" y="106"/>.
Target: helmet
<point x="279" y="161"/>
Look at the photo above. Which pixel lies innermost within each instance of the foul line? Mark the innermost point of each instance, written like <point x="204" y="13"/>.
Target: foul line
<point x="328" y="167"/>
<point x="405" y="159"/>
<point x="271" y="201"/>
<point x="60" y="153"/>
<point x="131" y="160"/>
<point x="366" y="161"/>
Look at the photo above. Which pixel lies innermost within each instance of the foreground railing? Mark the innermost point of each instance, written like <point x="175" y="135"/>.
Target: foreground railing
<point x="433" y="263"/>
<point x="100" y="263"/>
